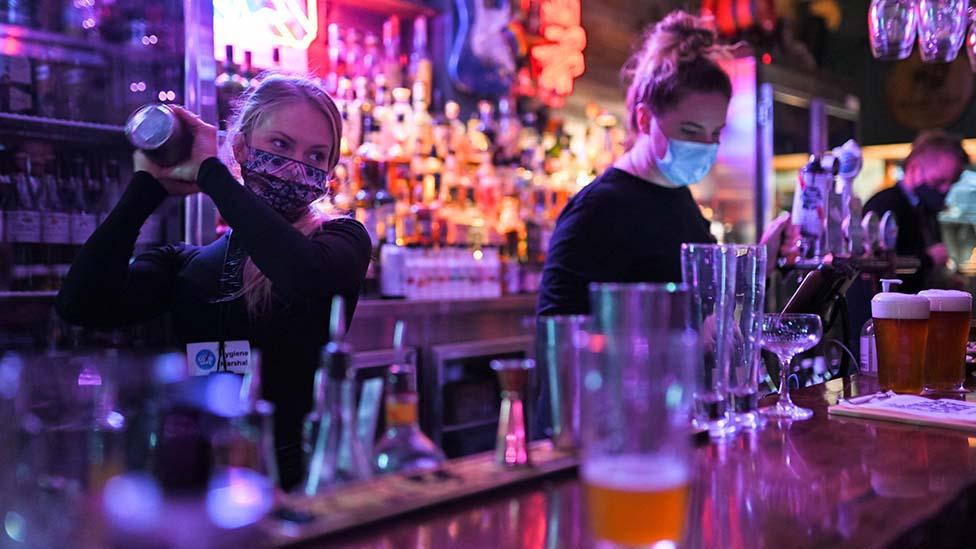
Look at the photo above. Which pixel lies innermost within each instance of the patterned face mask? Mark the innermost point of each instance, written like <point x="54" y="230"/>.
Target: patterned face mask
<point x="287" y="185"/>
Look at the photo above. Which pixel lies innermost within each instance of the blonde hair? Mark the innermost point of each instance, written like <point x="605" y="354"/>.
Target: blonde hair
<point x="275" y="91"/>
<point x="676" y="56"/>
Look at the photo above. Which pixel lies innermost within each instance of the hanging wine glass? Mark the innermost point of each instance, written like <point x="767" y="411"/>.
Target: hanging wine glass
<point x="891" y="28"/>
<point x="941" y="29"/>
<point x="970" y="43"/>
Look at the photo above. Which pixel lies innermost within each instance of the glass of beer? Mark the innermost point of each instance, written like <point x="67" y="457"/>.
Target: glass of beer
<point x="945" y="352"/>
<point x="640" y="350"/>
<point x="901" y="327"/>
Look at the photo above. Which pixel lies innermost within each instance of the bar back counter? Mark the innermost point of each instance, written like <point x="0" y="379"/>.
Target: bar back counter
<point x="453" y="341"/>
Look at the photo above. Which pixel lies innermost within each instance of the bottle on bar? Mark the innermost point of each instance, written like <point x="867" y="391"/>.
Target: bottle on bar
<point x="337" y="455"/>
<point x="420" y="69"/>
<point x="230" y="85"/>
<point x="372" y="57"/>
<point x="353" y="53"/>
<point x="371" y="173"/>
<point x="404" y="448"/>
<point x="337" y="59"/>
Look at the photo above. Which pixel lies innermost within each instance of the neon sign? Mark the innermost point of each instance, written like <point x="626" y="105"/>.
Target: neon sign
<point x="559" y="61"/>
<point x="288" y="23"/>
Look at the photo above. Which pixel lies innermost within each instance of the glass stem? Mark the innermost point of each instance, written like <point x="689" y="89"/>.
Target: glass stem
<point x="784" y="383"/>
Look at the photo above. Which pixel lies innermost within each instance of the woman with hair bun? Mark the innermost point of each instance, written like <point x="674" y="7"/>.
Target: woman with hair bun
<point x="629" y="223"/>
<point x="268" y="281"/>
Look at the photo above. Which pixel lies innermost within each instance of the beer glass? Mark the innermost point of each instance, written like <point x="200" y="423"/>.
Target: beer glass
<point x="786" y="335"/>
<point x="941" y="29"/>
<point x="901" y="333"/>
<point x="709" y="272"/>
<point x="945" y="351"/>
<point x="891" y="28"/>
<point x="639" y="353"/>
<point x="750" y="294"/>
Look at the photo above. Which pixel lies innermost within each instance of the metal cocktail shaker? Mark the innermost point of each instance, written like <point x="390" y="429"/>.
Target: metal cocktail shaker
<point x="158" y="132"/>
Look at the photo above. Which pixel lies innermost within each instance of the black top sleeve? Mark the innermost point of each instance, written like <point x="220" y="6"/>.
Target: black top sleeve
<point x="102" y="289"/>
<point x="576" y="253"/>
<point x="333" y="261"/>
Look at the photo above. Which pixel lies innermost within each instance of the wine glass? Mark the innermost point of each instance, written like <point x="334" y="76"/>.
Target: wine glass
<point x="787" y="335"/>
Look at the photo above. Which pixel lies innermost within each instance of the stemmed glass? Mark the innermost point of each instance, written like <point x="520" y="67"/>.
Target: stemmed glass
<point x="787" y="335"/>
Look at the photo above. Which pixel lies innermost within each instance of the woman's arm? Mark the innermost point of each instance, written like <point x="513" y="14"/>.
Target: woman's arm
<point x="333" y="261"/>
<point x="102" y="289"/>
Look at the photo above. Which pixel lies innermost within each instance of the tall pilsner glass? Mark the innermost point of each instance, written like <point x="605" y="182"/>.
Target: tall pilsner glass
<point x="709" y="272"/>
<point x="750" y="294"/>
<point x="945" y="349"/>
<point x="901" y="328"/>
<point x="638" y="354"/>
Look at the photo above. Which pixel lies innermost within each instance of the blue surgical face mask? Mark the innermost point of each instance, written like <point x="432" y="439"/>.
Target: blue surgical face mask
<point x="687" y="162"/>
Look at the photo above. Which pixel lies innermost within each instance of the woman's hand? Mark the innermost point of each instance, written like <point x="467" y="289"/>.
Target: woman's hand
<point x="175" y="187"/>
<point x="780" y="239"/>
<point x="204" y="147"/>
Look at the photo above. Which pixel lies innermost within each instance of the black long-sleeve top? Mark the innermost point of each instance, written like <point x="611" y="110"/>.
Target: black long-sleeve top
<point x="105" y="290"/>
<point x="917" y="230"/>
<point x="620" y="228"/>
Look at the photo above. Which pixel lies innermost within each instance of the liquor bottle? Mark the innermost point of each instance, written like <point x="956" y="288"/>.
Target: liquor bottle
<point x="337" y="455"/>
<point x="230" y="85"/>
<point x="371" y="173"/>
<point x="509" y="129"/>
<point x="55" y="224"/>
<point x="402" y="124"/>
<point x="337" y="59"/>
<point x="420" y="68"/>
<point x="372" y="57"/>
<point x="423" y="124"/>
<point x="24" y="225"/>
<point x="391" y="67"/>
<point x="83" y="220"/>
<point x="248" y="73"/>
<point x="16" y="83"/>
<point x="458" y="132"/>
<point x="353" y="53"/>
<point x="404" y="448"/>
<point x="276" y="60"/>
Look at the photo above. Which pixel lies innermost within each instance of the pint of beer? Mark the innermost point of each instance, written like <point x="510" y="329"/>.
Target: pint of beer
<point x="901" y="330"/>
<point x="636" y="500"/>
<point x="945" y="356"/>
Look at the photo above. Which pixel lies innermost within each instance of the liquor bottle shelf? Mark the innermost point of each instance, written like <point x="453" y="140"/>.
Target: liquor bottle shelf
<point x="55" y="128"/>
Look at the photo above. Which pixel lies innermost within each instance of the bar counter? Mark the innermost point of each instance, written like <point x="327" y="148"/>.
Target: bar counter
<point x="826" y="482"/>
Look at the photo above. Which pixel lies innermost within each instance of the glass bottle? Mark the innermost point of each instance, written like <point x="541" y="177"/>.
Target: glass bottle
<point x="248" y="74"/>
<point x="24" y="225"/>
<point x="391" y="52"/>
<point x="420" y="69"/>
<point x="230" y="85"/>
<point x="337" y="457"/>
<point x="404" y="448"/>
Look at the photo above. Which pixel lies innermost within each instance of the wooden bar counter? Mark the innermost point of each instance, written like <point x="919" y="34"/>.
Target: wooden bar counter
<point x="826" y="482"/>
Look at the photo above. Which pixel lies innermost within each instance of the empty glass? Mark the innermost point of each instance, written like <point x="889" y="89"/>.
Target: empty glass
<point x="787" y="335"/>
<point x="941" y="29"/>
<point x="560" y="365"/>
<point x="891" y="28"/>
<point x="639" y="361"/>
<point x="709" y="272"/>
<point x="750" y="294"/>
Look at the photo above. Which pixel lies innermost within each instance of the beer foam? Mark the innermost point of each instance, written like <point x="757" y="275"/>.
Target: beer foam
<point x="900" y="306"/>
<point x="948" y="301"/>
<point x="635" y="473"/>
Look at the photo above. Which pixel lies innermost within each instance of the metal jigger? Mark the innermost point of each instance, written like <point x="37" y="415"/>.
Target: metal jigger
<point x="511" y="444"/>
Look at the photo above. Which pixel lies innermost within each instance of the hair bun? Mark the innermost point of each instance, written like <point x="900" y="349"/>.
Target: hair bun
<point x="683" y="37"/>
